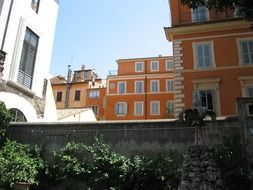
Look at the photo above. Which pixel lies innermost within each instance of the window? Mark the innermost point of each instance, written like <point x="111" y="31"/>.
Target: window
<point x="95" y="110"/>
<point x="27" y="62"/>
<point x="247" y="51"/>
<point x="17" y="115"/>
<point x="35" y="5"/>
<point x="155" y="108"/>
<point x="203" y="55"/>
<point x="154" y="85"/>
<point x="138" y="108"/>
<point x="204" y="99"/>
<point x="121" y="87"/>
<point x="94" y="94"/>
<point x="139" y="67"/>
<point x="170" y="85"/>
<point x="154" y="65"/>
<point x="170" y="107"/>
<point x="1" y="5"/>
<point x="138" y="86"/>
<point x="59" y="97"/>
<point x="77" y="95"/>
<point x="121" y="108"/>
<point x="169" y="65"/>
<point x="249" y="91"/>
<point x="200" y="14"/>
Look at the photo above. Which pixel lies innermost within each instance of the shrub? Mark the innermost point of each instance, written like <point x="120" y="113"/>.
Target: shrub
<point x="5" y="118"/>
<point x="234" y="166"/>
<point x="19" y="163"/>
<point x="102" y="169"/>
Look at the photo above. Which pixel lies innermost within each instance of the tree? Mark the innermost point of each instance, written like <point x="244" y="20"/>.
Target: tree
<point x="245" y="6"/>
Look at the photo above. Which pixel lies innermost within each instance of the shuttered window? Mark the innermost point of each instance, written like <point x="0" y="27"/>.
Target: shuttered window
<point x="77" y="95"/>
<point x="247" y="51"/>
<point x="121" y="108"/>
<point x="204" y="56"/>
<point x="200" y="14"/>
<point x="35" y="5"/>
<point x="28" y="56"/>
<point x="59" y="97"/>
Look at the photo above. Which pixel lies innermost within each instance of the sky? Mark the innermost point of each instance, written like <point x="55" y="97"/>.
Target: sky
<point x="96" y="33"/>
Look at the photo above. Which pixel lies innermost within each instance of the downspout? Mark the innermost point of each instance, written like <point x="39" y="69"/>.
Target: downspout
<point x="7" y="24"/>
<point x="68" y="87"/>
<point x="145" y="90"/>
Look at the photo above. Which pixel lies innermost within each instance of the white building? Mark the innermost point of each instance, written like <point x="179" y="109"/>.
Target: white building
<point x="26" y="36"/>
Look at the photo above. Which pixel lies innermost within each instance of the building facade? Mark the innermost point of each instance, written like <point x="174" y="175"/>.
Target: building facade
<point x="82" y="89"/>
<point x="142" y="89"/>
<point x="213" y="56"/>
<point x="26" y="37"/>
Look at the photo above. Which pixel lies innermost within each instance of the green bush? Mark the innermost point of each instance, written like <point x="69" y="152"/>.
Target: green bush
<point x="5" y="118"/>
<point x="234" y="166"/>
<point x="19" y="163"/>
<point x="102" y="169"/>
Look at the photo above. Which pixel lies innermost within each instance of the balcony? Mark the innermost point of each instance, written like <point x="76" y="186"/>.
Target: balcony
<point x="113" y="73"/>
<point x="2" y="60"/>
<point x="200" y="16"/>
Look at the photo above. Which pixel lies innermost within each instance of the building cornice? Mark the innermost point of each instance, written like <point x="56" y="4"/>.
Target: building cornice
<point x="144" y="59"/>
<point x="139" y="76"/>
<point x="199" y="28"/>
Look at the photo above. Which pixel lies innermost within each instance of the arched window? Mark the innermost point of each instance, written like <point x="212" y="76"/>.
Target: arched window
<point x="17" y="115"/>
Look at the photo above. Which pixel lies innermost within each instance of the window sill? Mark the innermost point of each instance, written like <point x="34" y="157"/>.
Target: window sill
<point x="21" y="88"/>
<point x="121" y="115"/>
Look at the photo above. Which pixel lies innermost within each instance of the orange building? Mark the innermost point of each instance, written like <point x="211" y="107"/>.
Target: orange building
<point x="142" y="89"/>
<point x="81" y="90"/>
<point x="213" y="57"/>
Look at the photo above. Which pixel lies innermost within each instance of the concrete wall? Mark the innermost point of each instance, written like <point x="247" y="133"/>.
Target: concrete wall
<point x="125" y="137"/>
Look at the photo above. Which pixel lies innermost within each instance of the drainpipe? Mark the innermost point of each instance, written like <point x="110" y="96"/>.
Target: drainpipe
<point x="68" y="87"/>
<point x="145" y="90"/>
<point x="7" y="24"/>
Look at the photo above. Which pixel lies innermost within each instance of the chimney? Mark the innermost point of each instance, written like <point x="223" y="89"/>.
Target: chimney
<point x="83" y="67"/>
<point x="69" y="74"/>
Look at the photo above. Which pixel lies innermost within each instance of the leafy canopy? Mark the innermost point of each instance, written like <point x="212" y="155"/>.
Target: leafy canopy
<point x="246" y="6"/>
<point x="19" y="163"/>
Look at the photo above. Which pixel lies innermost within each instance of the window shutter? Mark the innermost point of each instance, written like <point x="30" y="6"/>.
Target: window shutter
<point x="116" y="108"/>
<point x="126" y="108"/>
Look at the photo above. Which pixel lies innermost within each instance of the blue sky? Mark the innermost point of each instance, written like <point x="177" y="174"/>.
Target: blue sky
<point x="98" y="32"/>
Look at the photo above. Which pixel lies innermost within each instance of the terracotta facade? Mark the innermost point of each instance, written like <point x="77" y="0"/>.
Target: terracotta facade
<point x="141" y="90"/>
<point x="213" y="56"/>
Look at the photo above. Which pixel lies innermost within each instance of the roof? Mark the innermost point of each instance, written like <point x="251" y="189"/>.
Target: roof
<point x="145" y="58"/>
<point x="58" y="80"/>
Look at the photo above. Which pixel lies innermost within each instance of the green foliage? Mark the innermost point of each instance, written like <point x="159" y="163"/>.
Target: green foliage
<point x="246" y="6"/>
<point x="5" y="118"/>
<point x="103" y="169"/>
<point x="235" y="168"/>
<point x="19" y="163"/>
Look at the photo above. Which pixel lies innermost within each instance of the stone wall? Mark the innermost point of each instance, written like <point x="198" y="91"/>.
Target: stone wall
<point x="142" y="137"/>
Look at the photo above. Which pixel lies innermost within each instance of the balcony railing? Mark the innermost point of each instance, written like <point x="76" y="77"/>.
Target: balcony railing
<point x="197" y="16"/>
<point x="2" y="60"/>
<point x="113" y="73"/>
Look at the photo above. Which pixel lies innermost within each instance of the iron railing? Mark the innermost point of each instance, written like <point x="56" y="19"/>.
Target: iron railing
<point x="196" y="16"/>
<point x="113" y="73"/>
